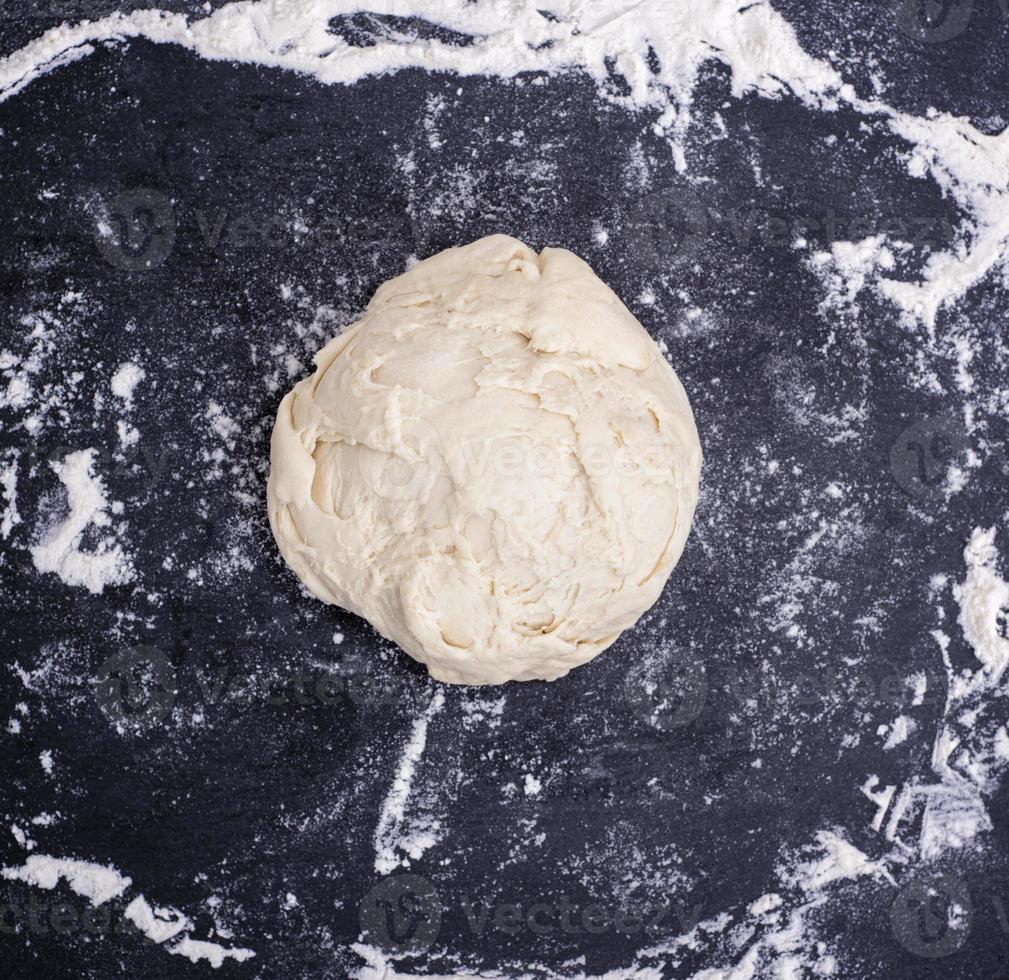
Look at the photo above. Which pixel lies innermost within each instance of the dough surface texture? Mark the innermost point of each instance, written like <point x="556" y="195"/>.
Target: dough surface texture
<point x="495" y="466"/>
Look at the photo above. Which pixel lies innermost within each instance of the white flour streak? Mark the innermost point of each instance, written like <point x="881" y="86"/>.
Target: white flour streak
<point x="96" y="882"/>
<point x="973" y="169"/>
<point x="983" y="599"/>
<point x="751" y="38"/>
<point x="60" y="550"/>
<point x="968" y="755"/>
<point x="506" y="39"/>
<point x="387" y="834"/>
<point x="379" y="967"/>
<point x="8" y="484"/>
<point x="786" y="941"/>
<point x="196" y="949"/>
<point x="102" y="883"/>
<point x="954" y="814"/>
<point x="159" y="925"/>
<point x="838" y="861"/>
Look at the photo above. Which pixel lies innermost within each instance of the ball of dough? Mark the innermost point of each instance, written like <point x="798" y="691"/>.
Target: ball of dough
<point x="495" y="466"/>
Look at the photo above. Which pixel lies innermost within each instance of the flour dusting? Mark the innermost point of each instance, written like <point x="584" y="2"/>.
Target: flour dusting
<point x="61" y="549"/>
<point x="125" y="381"/>
<point x="8" y="484"/>
<point x="390" y="834"/>
<point x="101" y="884"/>
<point x="645" y="59"/>
<point x="657" y="48"/>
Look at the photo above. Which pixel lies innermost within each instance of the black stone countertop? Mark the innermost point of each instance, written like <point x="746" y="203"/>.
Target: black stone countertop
<point x="282" y="204"/>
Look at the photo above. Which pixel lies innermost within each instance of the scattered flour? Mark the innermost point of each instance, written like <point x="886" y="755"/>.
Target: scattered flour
<point x="8" y="484"/>
<point x="776" y="937"/>
<point x="28" y="843"/>
<point x="846" y="270"/>
<point x="22" y="372"/>
<point x="969" y="752"/>
<point x="657" y="48"/>
<point x="899" y="731"/>
<point x="125" y="381"/>
<point x="102" y="883"/>
<point x="128" y="434"/>
<point x="60" y="548"/>
<point x="226" y="428"/>
<point x="838" y="861"/>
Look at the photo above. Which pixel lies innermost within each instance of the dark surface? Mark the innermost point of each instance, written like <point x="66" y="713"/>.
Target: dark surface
<point x="257" y="799"/>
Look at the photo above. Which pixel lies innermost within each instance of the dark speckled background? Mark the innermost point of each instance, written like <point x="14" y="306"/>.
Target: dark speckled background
<point x="238" y="797"/>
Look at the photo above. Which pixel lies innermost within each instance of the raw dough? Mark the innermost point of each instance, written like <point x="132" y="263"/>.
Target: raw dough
<point x="495" y="466"/>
